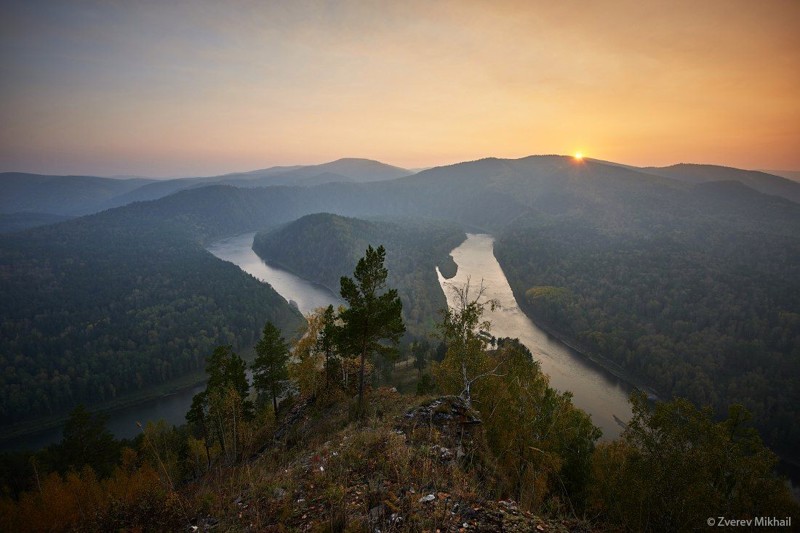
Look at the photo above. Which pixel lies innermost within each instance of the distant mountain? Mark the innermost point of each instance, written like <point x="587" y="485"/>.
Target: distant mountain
<point x="685" y="276"/>
<point x="11" y="222"/>
<point x="342" y="170"/>
<point x="348" y="169"/>
<point x="793" y="175"/>
<point x="760" y="181"/>
<point x="60" y="195"/>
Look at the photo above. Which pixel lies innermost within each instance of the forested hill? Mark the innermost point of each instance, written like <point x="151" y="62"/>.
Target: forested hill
<point x="760" y="181"/>
<point x="60" y="195"/>
<point x="98" y="308"/>
<point x="692" y="286"/>
<point x="704" y="305"/>
<point x="324" y="247"/>
<point x="82" y="195"/>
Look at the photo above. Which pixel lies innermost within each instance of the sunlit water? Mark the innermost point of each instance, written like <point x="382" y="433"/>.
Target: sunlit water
<point x="596" y="391"/>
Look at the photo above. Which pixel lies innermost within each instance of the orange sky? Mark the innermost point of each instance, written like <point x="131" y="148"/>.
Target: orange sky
<point x="199" y="88"/>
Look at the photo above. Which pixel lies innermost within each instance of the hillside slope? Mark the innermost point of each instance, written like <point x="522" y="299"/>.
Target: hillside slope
<point x="324" y="247"/>
<point x="759" y="181"/>
<point x="95" y="309"/>
<point x="60" y="195"/>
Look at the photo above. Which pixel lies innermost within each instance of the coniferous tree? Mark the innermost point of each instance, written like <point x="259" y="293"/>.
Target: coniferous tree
<point x="372" y="315"/>
<point x="87" y="441"/>
<point x="219" y="411"/>
<point x="421" y="351"/>
<point x="226" y="368"/>
<point x="269" y="368"/>
<point x="327" y="341"/>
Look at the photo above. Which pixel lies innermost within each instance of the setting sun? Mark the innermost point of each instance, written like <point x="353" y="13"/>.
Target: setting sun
<point x="578" y="156"/>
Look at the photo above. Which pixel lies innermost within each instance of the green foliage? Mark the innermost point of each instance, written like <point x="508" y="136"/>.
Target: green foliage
<point x="373" y="315"/>
<point x="466" y="360"/>
<point x="543" y="443"/>
<point x="86" y="442"/>
<point x="327" y="344"/>
<point x="226" y="369"/>
<point x="97" y="309"/>
<point x="421" y="351"/>
<point x="269" y="367"/>
<point x="709" y="315"/>
<point x="219" y="414"/>
<point x="674" y="467"/>
<point x="324" y="247"/>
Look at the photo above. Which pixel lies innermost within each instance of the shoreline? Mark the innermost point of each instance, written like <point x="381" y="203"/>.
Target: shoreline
<point x="24" y="430"/>
<point x="787" y="465"/>
<point x="603" y="362"/>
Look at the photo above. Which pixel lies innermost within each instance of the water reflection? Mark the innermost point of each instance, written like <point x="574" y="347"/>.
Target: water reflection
<point x="596" y="391"/>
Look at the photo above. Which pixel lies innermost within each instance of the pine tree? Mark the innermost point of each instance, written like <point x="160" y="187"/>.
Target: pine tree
<point x="269" y="368"/>
<point x="372" y="315"/>
<point x="219" y="411"/>
<point x="327" y="341"/>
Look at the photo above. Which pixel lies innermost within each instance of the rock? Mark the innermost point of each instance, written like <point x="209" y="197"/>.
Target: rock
<point x="428" y="498"/>
<point x="376" y="514"/>
<point x="456" y="423"/>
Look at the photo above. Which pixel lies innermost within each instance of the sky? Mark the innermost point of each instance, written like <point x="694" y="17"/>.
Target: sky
<point x="202" y="88"/>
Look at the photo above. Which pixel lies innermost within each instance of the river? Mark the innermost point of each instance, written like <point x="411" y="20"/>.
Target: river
<point x="595" y="390"/>
<point x="172" y="408"/>
<point x="308" y="296"/>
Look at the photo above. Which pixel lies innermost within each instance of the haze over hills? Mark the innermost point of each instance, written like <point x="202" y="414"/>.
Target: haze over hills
<point x="29" y="196"/>
<point x="793" y="175"/>
<point x="81" y="195"/>
<point x="760" y="181"/>
<point x="60" y="195"/>
<point x="669" y="279"/>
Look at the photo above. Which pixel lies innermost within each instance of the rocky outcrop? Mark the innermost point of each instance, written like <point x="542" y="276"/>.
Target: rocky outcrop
<point x="448" y="423"/>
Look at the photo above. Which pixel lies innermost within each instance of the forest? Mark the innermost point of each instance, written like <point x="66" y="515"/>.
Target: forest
<point x="692" y="287"/>
<point x="489" y="446"/>
<point x="704" y="307"/>
<point x="92" y="312"/>
<point x="323" y="248"/>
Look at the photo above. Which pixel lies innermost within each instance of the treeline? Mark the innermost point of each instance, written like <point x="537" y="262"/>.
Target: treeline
<point x="705" y="307"/>
<point x="309" y="442"/>
<point x="323" y="248"/>
<point x="92" y="312"/>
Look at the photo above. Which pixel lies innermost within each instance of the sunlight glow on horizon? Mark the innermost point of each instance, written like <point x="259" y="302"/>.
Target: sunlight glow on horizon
<point x="206" y="88"/>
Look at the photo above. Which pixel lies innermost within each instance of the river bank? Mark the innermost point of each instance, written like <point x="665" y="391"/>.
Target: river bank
<point x="42" y="432"/>
<point x="603" y="362"/>
<point x="601" y="393"/>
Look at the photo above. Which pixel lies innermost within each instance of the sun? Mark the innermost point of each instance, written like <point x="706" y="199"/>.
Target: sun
<point x="578" y="156"/>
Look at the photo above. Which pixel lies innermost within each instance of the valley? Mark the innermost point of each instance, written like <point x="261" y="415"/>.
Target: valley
<point x="543" y="210"/>
<point x="668" y="282"/>
<point x="457" y="266"/>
